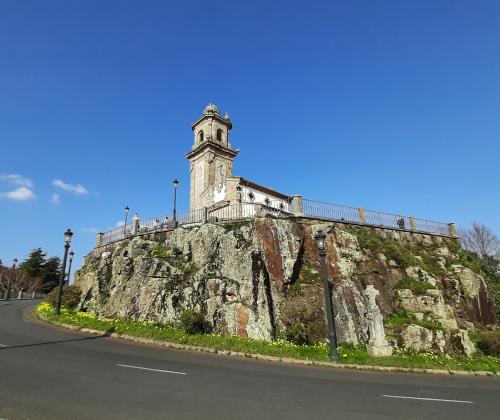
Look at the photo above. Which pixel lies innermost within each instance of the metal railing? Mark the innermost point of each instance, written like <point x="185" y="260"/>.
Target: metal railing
<point x="310" y="208"/>
<point x="224" y="212"/>
<point x="330" y="211"/>
<point x="361" y="216"/>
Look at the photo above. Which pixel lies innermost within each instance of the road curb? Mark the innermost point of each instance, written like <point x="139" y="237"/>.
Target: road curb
<point x="271" y="358"/>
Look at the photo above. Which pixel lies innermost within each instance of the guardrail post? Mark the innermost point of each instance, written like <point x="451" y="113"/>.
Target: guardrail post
<point x="20" y="294"/>
<point x="205" y="214"/>
<point x="413" y="226"/>
<point x="453" y="230"/>
<point x="98" y="239"/>
<point x="33" y="295"/>
<point x="297" y="205"/>
<point x="362" y="215"/>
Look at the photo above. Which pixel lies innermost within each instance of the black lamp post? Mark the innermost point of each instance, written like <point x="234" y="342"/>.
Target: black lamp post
<point x="71" y="255"/>
<point x="175" y="184"/>
<point x="68" y="235"/>
<point x="9" y="284"/>
<point x="125" y="225"/>
<point x="330" y="312"/>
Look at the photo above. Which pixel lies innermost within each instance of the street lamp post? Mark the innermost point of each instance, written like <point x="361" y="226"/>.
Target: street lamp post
<point x="330" y="311"/>
<point x="125" y="225"/>
<point x="175" y="184"/>
<point x="9" y="284"/>
<point x="68" y="235"/>
<point x="71" y="255"/>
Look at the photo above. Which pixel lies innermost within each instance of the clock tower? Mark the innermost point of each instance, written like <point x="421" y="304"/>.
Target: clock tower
<point x="211" y="158"/>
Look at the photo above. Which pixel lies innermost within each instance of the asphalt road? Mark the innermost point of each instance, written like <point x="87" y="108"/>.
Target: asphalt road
<point x="51" y="373"/>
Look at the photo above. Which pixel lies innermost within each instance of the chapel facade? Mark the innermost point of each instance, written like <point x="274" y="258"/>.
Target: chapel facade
<point x="213" y="184"/>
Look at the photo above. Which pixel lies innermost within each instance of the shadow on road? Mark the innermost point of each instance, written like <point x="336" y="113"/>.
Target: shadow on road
<point x="54" y="342"/>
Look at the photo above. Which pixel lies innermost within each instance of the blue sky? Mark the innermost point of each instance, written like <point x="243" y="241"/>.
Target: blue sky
<point x="389" y="105"/>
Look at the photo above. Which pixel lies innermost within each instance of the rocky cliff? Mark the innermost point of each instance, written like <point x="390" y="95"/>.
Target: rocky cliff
<point x="260" y="279"/>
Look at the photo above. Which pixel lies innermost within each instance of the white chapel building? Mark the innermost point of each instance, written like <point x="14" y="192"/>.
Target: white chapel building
<point x="213" y="185"/>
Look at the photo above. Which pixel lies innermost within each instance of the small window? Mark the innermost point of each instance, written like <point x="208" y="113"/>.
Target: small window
<point x="219" y="135"/>
<point x="282" y="206"/>
<point x="200" y="136"/>
<point x="267" y="201"/>
<point x="251" y="196"/>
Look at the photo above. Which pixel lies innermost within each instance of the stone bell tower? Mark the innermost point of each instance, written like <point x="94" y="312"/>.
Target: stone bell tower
<point x="211" y="158"/>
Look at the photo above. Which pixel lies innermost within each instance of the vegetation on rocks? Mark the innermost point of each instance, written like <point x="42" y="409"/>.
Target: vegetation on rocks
<point x="488" y="267"/>
<point x="405" y="317"/>
<point x="424" y="256"/>
<point x="417" y="287"/>
<point x="175" y="258"/>
<point x="278" y="348"/>
<point x="394" y="250"/>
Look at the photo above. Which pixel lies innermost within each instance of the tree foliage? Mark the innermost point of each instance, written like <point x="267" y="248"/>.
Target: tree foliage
<point x="47" y="269"/>
<point x="34" y="263"/>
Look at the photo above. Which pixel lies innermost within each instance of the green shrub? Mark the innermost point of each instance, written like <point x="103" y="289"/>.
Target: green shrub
<point x="489" y="342"/>
<point x="298" y="334"/>
<point x="193" y="322"/>
<point x="70" y="297"/>
<point x="303" y="324"/>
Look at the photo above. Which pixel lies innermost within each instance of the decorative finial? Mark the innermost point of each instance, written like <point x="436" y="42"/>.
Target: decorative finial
<point x="226" y="117"/>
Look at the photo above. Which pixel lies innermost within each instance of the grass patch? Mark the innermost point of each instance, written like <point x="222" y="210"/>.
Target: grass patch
<point x="417" y="287"/>
<point x="174" y="258"/>
<point x="278" y="348"/>
<point x="425" y="360"/>
<point x="403" y="254"/>
<point x="309" y="276"/>
<point x="404" y="317"/>
<point x="394" y="250"/>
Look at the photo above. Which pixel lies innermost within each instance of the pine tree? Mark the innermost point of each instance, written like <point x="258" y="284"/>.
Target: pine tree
<point x="33" y="265"/>
<point x="47" y="269"/>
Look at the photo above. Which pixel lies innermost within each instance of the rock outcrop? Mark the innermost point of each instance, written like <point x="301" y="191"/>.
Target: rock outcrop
<point x="261" y="279"/>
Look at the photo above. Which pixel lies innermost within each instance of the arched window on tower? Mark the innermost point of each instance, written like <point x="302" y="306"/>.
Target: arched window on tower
<point x="219" y="135"/>
<point x="200" y="136"/>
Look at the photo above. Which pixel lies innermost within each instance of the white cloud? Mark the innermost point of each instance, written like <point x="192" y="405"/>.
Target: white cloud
<point x="90" y="229"/>
<point x="56" y="198"/>
<point x="19" y="194"/>
<point x="17" y="180"/>
<point x="76" y="188"/>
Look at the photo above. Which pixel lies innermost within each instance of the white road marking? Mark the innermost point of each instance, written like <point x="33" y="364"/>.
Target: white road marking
<point x="153" y="370"/>
<point x="3" y="345"/>
<point x="427" y="399"/>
